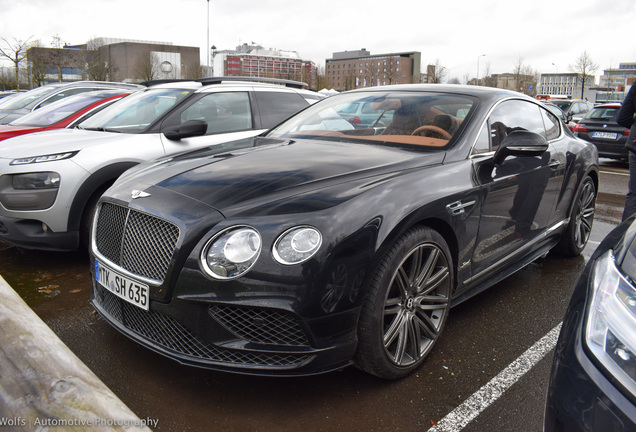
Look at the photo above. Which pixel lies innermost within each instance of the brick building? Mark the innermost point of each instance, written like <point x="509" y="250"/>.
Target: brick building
<point x="354" y="69"/>
<point x="255" y="61"/>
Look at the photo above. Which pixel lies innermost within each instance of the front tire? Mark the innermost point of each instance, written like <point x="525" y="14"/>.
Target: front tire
<point x="406" y="306"/>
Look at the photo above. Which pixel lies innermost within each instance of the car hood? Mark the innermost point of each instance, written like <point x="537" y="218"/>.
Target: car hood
<point x="55" y="141"/>
<point x="253" y="171"/>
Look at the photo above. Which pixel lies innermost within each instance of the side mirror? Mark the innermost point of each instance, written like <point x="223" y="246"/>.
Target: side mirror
<point x="568" y="117"/>
<point x="520" y="143"/>
<point x="191" y="128"/>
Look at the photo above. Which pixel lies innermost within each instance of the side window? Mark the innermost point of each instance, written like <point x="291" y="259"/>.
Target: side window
<point x="223" y="112"/>
<point x="514" y="115"/>
<point x="552" y="125"/>
<point x="482" y="145"/>
<point x="274" y="107"/>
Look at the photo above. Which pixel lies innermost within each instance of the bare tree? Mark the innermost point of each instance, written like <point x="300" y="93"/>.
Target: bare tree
<point x="437" y="73"/>
<point x="147" y="67"/>
<point x="96" y="66"/>
<point x="524" y="75"/>
<point x="585" y="67"/>
<point x="15" y="52"/>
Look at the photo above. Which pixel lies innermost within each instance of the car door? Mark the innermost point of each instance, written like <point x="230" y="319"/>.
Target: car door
<point x="519" y="194"/>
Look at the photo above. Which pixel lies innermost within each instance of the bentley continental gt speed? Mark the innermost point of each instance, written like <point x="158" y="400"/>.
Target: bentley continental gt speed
<point x="317" y="245"/>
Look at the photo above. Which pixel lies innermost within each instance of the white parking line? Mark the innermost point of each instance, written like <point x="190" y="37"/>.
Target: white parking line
<point x="615" y="173"/>
<point x="457" y="419"/>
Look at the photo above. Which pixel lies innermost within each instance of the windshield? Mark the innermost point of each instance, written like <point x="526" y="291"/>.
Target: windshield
<point x="24" y="99"/>
<point x="57" y="111"/>
<point x="135" y="113"/>
<point x="603" y="113"/>
<point x="398" y="117"/>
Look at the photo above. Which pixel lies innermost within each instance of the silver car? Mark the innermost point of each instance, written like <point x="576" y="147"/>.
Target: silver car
<point x="26" y="102"/>
<point x="50" y="181"/>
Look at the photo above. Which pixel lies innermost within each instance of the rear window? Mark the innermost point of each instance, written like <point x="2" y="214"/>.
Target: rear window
<point x="603" y="113"/>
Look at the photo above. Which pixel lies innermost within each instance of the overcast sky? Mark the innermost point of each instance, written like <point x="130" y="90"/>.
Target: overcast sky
<point x="547" y="35"/>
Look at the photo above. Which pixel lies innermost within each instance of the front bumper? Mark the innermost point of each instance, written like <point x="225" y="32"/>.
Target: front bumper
<point x="33" y="234"/>
<point x="230" y="337"/>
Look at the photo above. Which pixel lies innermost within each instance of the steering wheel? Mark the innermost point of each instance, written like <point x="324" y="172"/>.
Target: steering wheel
<point x="433" y="130"/>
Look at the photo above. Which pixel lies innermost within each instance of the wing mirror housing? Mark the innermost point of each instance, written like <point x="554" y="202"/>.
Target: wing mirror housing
<point x="520" y="143"/>
<point x="191" y="128"/>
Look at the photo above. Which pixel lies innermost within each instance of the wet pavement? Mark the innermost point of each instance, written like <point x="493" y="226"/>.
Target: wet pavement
<point x="482" y="337"/>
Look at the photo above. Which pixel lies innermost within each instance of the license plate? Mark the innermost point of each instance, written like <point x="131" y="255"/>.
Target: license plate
<point x="125" y="288"/>
<point x="604" y="135"/>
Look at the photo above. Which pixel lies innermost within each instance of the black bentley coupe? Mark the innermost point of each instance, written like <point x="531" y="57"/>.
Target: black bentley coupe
<point x="322" y="243"/>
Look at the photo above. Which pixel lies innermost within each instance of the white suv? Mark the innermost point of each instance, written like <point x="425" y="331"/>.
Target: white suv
<point x="50" y="181"/>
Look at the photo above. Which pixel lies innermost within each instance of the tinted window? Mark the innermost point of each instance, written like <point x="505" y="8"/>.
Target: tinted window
<point x="274" y="107"/>
<point x="514" y="115"/>
<point x="603" y="113"/>
<point x="223" y="112"/>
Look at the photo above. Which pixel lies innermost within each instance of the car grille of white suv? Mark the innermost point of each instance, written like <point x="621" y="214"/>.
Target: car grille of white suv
<point x="137" y="242"/>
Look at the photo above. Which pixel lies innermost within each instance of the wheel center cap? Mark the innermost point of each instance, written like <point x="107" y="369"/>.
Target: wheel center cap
<point x="409" y="303"/>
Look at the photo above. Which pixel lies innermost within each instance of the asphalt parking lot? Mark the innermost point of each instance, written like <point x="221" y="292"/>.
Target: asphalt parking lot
<point x="466" y="384"/>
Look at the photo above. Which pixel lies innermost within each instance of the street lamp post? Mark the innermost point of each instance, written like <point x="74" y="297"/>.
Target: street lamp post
<point x="207" y="45"/>
<point x="477" y="80"/>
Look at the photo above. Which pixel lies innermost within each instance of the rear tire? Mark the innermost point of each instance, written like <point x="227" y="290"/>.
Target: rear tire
<point x="406" y="306"/>
<point x="579" y="228"/>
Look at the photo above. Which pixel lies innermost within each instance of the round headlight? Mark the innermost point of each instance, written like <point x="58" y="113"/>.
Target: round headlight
<point x="297" y="245"/>
<point x="231" y="253"/>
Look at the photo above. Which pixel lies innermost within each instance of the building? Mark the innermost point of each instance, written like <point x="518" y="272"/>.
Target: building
<point x="252" y="60"/>
<point x="106" y="59"/>
<point x="567" y="84"/>
<point x="354" y="69"/>
<point x="615" y="83"/>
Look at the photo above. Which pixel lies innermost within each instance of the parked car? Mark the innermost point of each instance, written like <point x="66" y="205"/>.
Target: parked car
<point x="66" y="112"/>
<point x="319" y="245"/>
<point x="50" y="181"/>
<point x="6" y="93"/>
<point x="362" y="115"/>
<point x="593" y="381"/>
<point x="574" y="109"/>
<point x="600" y="128"/>
<point x="31" y="100"/>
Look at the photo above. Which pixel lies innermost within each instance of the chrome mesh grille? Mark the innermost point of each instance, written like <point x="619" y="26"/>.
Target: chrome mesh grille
<point x="260" y="325"/>
<point x="172" y="336"/>
<point x="137" y="242"/>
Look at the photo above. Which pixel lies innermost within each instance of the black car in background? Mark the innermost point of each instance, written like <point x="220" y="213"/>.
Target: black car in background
<point x="593" y="382"/>
<point x="600" y="128"/>
<point x="574" y="109"/>
<point x="320" y="244"/>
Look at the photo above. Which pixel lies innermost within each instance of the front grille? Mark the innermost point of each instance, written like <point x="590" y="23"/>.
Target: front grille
<point x="172" y="336"/>
<point x="260" y="325"/>
<point x="137" y="242"/>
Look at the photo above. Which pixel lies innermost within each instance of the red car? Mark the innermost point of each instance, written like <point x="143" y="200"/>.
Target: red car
<point x="64" y="113"/>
